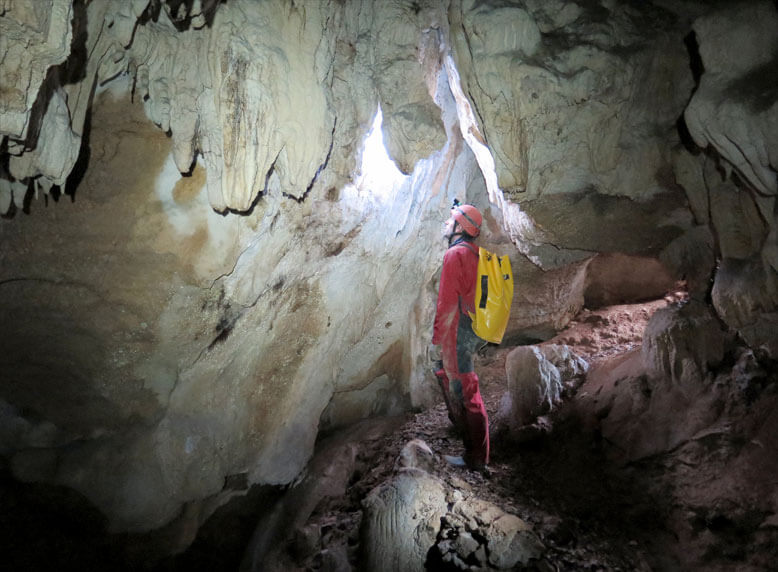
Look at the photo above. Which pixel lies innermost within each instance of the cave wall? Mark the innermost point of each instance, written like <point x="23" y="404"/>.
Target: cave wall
<point x="211" y="324"/>
<point x="733" y="114"/>
<point x="203" y="267"/>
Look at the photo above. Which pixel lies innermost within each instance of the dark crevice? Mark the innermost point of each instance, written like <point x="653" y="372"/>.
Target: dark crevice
<point x="224" y="327"/>
<point x="50" y="527"/>
<point x="695" y="59"/>
<point x="190" y="170"/>
<point x="77" y="174"/>
<point x="697" y="69"/>
<point x="73" y="70"/>
<point x="686" y="137"/>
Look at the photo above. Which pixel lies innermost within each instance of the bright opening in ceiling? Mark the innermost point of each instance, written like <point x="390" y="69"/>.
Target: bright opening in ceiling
<point x="379" y="174"/>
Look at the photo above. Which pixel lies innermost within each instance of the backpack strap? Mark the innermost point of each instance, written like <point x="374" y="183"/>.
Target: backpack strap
<point x="471" y="248"/>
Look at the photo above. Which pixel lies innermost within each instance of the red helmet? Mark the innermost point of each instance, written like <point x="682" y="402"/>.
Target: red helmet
<point x="469" y="218"/>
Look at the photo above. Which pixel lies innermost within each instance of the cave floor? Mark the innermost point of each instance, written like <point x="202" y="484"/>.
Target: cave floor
<point x="589" y="517"/>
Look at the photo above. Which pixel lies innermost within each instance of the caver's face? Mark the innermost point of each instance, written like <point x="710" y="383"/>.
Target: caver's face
<point x="449" y="229"/>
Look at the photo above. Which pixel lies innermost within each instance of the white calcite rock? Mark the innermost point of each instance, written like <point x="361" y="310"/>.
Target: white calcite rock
<point x="682" y="343"/>
<point x="59" y="146"/>
<point x="251" y="93"/>
<point x="734" y="112"/>
<point x="195" y="345"/>
<point x="579" y="108"/>
<point x="401" y="521"/>
<point x="745" y="296"/>
<point x="569" y="117"/>
<point x="34" y="37"/>
<point x="414" y="520"/>
<point x="536" y="376"/>
<point x="734" y="108"/>
<point x="248" y="93"/>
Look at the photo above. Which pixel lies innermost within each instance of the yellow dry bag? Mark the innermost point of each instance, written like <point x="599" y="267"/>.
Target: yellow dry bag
<point x="493" y="296"/>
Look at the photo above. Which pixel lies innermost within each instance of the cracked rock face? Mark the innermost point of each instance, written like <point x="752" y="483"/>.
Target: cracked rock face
<point x="203" y="264"/>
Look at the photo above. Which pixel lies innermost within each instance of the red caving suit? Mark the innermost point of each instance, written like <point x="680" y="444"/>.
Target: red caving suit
<point x="453" y="331"/>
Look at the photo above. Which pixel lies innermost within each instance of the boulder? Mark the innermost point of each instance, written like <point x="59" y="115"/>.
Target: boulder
<point x="682" y="343"/>
<point x="659" y="396"/>
<point x="619" y="278"/>
<point x="745" y="295"/>
<point x="401" y="521"/>
<point x="536" y="377"/>
<point x="478" y="533"/>
<point x="415" y="521"/>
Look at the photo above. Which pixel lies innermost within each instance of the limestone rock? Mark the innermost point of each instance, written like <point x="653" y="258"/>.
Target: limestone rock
<point x="512" y="542"/>
<point x="228" y="95"/>
<point x="739" y="220"/>
<point x="416" y="454"/>
<point x="569" y="145"/>
<point x="33" y="38"/>
<point x="401" y="521"/>
<point x="691" y="257"/>
<point x="478" y="533"/>
<point x="587" y="221"/>
<point x="682" y="343"/>
<point x="657" y="397"/>
<point x="56" y="156"/>
<point x="412" y="121"/>
<point x="380" y="395"/>
<point x="745" y="295"/>
<point x="250" y="93"/>
<point x="689" y="173"/>
<point x="182" y="342"/>
<point x="617" y="279"/>
<point x="544" y="301"/>
<point x="536" y="377"/>
<point x="734" y="108"/>
<point x="161" y="342"/>
<point x="409" y="525"/>
<point x="256" y="111"/>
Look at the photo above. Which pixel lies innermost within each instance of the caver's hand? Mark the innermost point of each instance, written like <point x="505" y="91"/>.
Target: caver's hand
<point x="434" y="353"/>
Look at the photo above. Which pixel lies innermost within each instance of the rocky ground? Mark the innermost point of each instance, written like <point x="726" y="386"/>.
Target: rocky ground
<point x="589" y="519"/>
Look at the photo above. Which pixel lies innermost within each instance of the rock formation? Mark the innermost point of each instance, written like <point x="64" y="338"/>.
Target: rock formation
<point x="415" y="521"/>
<point x="221" y="219"/>
<point x="537" y="377"/>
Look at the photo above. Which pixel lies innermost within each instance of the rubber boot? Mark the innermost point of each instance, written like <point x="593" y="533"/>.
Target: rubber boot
<point x="476" y="423"/>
